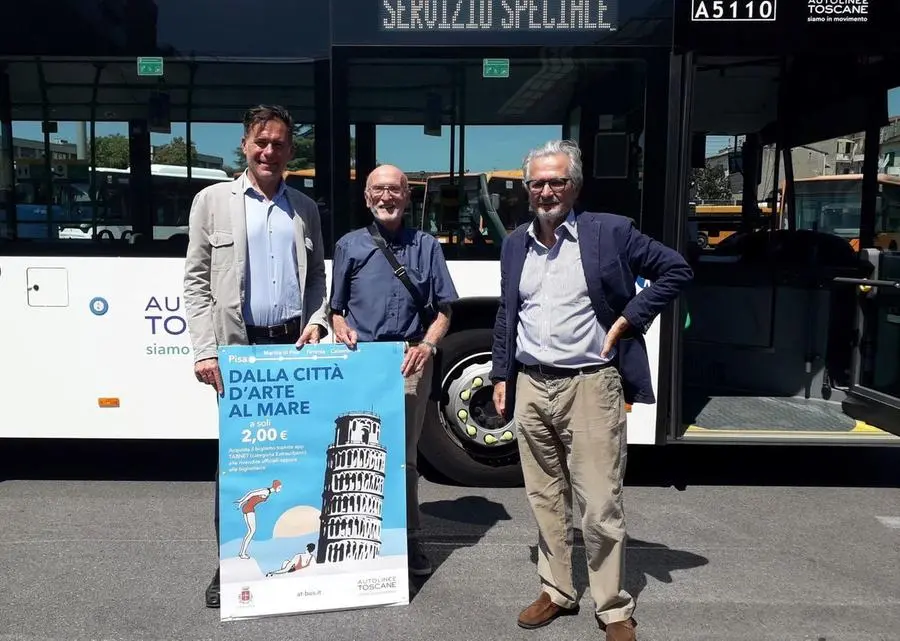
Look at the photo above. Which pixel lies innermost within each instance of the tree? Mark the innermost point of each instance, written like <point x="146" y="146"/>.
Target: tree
<point x="112" y="151"/>
<point x="174" y="153"/>
<point x="711" y="183"/>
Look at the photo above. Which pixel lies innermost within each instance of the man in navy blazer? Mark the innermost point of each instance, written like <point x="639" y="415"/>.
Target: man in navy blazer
<point x="568" y="354"/>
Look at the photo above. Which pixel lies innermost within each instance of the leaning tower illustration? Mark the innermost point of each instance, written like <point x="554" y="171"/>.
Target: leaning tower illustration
<point x="353" y="495"/>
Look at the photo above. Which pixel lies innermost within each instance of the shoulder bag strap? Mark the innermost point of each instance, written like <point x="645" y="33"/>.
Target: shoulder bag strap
<point x="400" y="272"/>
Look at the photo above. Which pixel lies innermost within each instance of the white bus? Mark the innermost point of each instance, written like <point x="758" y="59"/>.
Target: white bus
<point x="97" y="343"/>
<point x="88" y="203"/>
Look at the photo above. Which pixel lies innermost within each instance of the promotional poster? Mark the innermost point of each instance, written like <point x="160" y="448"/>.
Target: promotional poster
<point x="312" y="496"/>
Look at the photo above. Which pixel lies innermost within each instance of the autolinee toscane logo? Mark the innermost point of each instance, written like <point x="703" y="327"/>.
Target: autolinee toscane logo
<point x="838" y="10"/>
<point x="165" y="321"/>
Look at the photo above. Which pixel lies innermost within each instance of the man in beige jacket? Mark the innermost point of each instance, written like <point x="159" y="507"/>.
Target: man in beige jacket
<point x="255" y="266"/>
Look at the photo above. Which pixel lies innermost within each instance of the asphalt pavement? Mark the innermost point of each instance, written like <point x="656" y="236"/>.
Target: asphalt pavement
<point x="115" y="542"/>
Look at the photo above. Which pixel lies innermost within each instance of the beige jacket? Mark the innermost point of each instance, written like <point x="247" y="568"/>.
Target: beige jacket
<point x="216" y="266"/>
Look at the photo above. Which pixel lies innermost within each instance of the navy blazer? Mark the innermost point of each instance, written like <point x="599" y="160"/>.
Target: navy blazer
<point x="613" y="254"/>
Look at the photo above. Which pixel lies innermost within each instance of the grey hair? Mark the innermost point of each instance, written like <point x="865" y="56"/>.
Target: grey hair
<point x="553" y="148"/>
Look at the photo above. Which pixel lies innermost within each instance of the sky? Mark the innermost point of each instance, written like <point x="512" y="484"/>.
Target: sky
<point x="486" y="147"/>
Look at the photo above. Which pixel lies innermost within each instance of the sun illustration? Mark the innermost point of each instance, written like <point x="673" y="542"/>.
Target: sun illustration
<point x="297" y="521"/>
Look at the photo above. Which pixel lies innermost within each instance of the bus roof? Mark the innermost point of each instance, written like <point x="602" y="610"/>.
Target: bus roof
<point x="506" y="173"/>
<point x="495" y="173"/>
<point x="177" y="171"/>
<point x="311" y="173"/>
<point x="471" y="174"/>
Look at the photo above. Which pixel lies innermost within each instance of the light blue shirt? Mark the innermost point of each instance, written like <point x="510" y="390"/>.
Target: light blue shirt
<point x="273" y="293"/>
<point x="557" y="324"/>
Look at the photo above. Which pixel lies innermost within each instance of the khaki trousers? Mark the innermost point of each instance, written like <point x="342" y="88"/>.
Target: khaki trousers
<point x="417" y="390"/>
<point x="571" y="435"/>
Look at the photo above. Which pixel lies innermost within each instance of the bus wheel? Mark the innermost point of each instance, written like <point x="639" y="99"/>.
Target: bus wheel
<point x="702" y="240"/>
<point x="464" y="439"/>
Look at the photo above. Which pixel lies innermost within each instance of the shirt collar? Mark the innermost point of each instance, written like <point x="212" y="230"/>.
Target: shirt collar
<point x="568" y="225"/>
<point x="247" y="186"/>
<point x="396" y="237"/>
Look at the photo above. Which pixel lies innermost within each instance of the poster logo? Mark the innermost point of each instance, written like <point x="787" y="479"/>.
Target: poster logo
<point x="245" y="597"/>
<point x="377" y="585"/>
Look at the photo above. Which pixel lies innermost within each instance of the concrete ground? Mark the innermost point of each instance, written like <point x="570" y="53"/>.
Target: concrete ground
<point x="102" y="542"/>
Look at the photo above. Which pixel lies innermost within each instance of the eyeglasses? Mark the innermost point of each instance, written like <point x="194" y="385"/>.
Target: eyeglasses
<point x="393" y="190"/>
<point x="556" y="184"/>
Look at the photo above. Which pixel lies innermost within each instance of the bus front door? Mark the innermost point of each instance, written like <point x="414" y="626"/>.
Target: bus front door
<point x="875" y="388"/>
<point x="874" y="394"/>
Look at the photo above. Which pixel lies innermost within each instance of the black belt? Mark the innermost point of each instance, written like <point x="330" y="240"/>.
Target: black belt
<point x="561" y="372"/>
<point x="290" y="327"/>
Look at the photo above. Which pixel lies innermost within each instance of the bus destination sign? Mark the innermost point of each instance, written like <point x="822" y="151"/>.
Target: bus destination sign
<point x="498" y="15"/>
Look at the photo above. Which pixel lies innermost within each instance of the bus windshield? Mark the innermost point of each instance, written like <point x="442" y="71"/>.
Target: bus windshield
<point x="829" y="206"/>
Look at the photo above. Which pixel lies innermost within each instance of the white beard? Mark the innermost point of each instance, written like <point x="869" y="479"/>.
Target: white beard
<point x="550" y="217"/>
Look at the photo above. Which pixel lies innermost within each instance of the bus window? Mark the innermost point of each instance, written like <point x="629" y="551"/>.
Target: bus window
<point x="460" y="213"/>
<point x="512" y="207"/>
<point x="888" y="223"/>
<point x="412" y="217"/>
<point x="302" y="180"/>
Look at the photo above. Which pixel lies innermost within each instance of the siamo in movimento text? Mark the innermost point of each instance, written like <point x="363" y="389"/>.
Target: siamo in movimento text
<point x="497" y="15"/>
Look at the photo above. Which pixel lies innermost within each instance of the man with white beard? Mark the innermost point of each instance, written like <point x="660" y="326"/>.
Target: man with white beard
<point x="568" y="354"/>
<point x="373" y="299"/>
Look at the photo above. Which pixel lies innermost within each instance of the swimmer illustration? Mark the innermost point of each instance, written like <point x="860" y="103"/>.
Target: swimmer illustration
<point x="296" y="562"/>
<point x="247" y="505"/>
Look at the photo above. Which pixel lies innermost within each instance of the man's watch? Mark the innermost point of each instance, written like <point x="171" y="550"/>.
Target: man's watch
<point x="431" y="345"/>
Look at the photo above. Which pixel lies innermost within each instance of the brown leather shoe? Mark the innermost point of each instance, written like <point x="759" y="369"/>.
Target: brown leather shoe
<point x="620" y="630"/>
<point x="542" y="612"/>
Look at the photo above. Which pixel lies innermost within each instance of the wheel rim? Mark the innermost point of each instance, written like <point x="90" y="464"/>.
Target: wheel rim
<point x="468" y="413"/>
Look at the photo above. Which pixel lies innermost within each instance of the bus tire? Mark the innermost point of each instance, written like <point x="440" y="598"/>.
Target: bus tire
<point x="483" y="459"/>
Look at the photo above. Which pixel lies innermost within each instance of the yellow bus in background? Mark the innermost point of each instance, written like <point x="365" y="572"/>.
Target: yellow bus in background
<point x="831" y="204"/>
<point x="716" y="222"/>
<point x="459" y="210"/>
<point x="502" y="188"/>
<point x="828" y="204"/>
